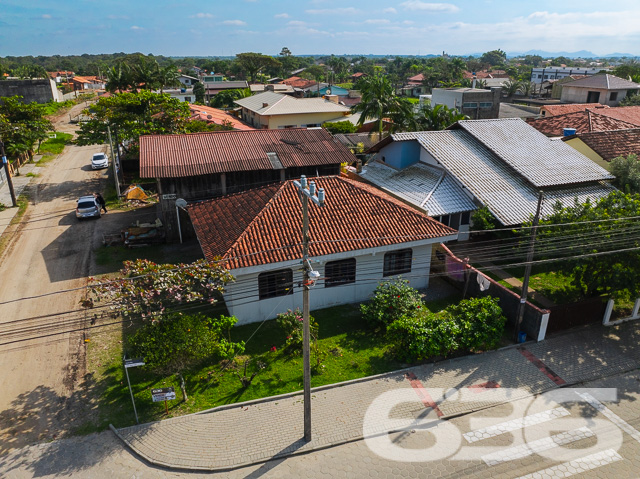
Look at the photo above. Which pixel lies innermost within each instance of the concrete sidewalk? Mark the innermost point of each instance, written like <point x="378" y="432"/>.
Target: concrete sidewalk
<point x="253" y="432"/>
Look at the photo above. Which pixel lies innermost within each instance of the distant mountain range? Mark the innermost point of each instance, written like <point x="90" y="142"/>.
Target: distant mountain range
<point x="579" y="54"/>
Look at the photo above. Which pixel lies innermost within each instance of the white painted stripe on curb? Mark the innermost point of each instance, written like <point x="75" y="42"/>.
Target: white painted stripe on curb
<point x="515" y="424"/>
<point x="535" y="447"/>
<point x="577" y="466"/>
<point x="613" y="417"/>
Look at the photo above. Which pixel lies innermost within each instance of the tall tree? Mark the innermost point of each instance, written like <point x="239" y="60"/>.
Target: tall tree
<point x="252" y="63"/>
<point x="494" y="58"/>
<point x="438" y="117"/>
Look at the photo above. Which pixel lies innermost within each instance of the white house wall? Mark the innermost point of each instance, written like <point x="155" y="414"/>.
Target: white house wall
<point x="243" y="302"/>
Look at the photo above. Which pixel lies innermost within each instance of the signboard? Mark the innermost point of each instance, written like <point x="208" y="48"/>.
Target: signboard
<point x="133" y="363"/>
<point x="169" y="197"/>
<point x="163" y="394"/>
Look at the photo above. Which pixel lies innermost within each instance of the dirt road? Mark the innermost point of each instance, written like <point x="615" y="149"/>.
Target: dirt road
<point x="49" y="255"/>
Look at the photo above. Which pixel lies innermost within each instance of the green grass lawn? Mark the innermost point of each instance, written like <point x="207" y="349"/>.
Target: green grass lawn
<point x="53" y="146"/>
<point x="352" y="351"/>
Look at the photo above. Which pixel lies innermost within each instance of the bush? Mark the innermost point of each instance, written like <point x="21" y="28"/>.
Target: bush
<point x="391" y="301"/>
<point x="292" y="324"/>
<point x="180" y="341"/>
<point x="340" y="127"/>
<point x="483" y="220"/>
<point x="475" y="324"/>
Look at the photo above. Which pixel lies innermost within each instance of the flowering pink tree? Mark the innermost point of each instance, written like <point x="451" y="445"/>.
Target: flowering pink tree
<point x="148" y="290"/>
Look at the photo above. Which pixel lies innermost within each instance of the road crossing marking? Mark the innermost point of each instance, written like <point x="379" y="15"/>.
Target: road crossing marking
<point x="535" y="447"/>
<point x="577" y="466"/>
<point x="515" y="424"/>
<point x="613" y="417"/>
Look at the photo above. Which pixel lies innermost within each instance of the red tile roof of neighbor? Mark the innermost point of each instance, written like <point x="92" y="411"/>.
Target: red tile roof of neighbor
<point x="555" y="110"/>
<point x="175" y="156"/>
<point x="612" y="144"/>
<point x="582" y="121"/>
<point x="297" y="82"/>
<point x="485" y="74"/>
<point x="219" y="117"/>
<point x="263" y="226"/>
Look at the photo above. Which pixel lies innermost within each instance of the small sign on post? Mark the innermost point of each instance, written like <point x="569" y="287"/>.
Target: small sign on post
<point x="163" y="394"/>
<point x="132" y="363"/>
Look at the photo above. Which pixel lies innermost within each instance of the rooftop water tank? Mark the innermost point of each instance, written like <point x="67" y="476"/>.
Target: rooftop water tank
<point x="568" y="131"/>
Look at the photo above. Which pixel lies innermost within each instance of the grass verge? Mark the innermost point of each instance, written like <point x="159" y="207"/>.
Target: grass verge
<point x="22" y="203"/>
<point x="54" y="146"/>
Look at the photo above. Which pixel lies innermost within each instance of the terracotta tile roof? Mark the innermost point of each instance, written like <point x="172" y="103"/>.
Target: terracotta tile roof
<point x="219" y="117"/>
<point x="358" y="75"/>
<point x="263" y="226"/>
<point x="416" y="78"/>
<point x="485" y="74"/>
<point x="582" y="121"/>
<point x="176" y="156"/>
<point x="630" y="114"/>
<point x="297" y="82"/>
<point x="611" y="144"/>
<point x="555" y="110"/>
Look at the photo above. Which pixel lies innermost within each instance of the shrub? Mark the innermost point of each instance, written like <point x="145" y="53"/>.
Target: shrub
<point x="475" y="324"/>
<point x="340" y="127"/>
<point x="391" y="301"/>
<point x="483" y="220"/>
<point x="292" y="324"/>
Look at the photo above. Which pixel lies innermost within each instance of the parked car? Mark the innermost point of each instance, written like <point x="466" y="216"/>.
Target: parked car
<point x="87" y="207"/>
<point x="99" y="161"/>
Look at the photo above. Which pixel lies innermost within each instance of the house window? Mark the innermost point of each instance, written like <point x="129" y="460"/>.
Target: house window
<point x="469" y="105"/>
<point x="445" y="220"/>
<point x="539" y="75"/>
<point x="275" y="283"/>
<point x="486" y="105"/>
<point x="340" y="272"/>
<point x="187" y="98"/>
<point x="613" y="96"/>
<point x="397" y="262"/>
<point x="464" y="219"/>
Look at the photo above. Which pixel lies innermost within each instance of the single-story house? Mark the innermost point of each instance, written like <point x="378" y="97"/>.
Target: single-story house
<point x="217" y="116"/>
<point x="606" y="89"/>
<point x="277" y="111"/>
<point x="360" y="237"/>
<point x="501" y="164"/>
<point x="87" y="83"/>
<point x="476" y="103"/>
<point x="592" y="119"/>
<point x="215" y="87"/>
<point x="200" y="166"/>
<point x="604" y="146"/>
<point x="188" y="81"/>
<point x="277" y="87"/>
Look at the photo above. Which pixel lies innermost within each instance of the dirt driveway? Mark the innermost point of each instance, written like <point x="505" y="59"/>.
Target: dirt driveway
<point x="48" y="257"/>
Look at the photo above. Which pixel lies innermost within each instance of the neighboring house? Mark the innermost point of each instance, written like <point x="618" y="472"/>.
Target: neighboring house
<point x="486" y="75"/>
<point x="501" y="164"/>
<point x="604" y="146"/>
<point x="277" y="111"/>
<point x="598" y="119"/>
<point x="357" y="141"/>
<point x="87" y="83"/>
<point x="213" y="88"/>
<point x="557" y="85"/>
<point x="414" y="86"/>
<point x="219" y="117"/>
<point x="555" y="110"/>
<point x="61" y="77"/>
<point x="476" y="103"/>
<point x="212" y="77"/>
<point x="606" y="89"/>
<point x="356" y="76"/>
<point x="333" y="90"/>
<point x="200" y="166"/>
<point x="360" y="237"/>
<point x="540" y="75"/>
<point x="426" y="187"/>
<point x="181" y="94"/>
<point x="187" y="80"/>
<point x="277" y="87"/>
<point x="297" y="82"/>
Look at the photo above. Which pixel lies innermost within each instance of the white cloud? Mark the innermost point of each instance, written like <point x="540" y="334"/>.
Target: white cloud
<point x="333" y="11"/>
<point x="389" y="10"/>
<point x="238" y="23"/>
<point x="377" y="21"/>
<point x="430" y="7"/>
<point x="296" y="23"/>
<point x="281" y="15"/>
<point x="203" y="15"/>
<point x="46" y="16"/>
<point x="136" y="27"/>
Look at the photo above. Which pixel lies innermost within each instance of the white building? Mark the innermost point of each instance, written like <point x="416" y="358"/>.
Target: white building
<point x="545" y="74"/>
<point x="359" y="238"/>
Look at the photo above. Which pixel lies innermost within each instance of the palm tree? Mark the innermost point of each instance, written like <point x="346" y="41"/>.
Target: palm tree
<point x="439" y="117"/>
<point x="379" y="101"/>
<point x="526" y="87"/>
<point x="119" y="78"/>
<point x="511" y="87"/>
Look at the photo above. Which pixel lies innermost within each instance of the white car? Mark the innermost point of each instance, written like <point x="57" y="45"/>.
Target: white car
<point x="87" y="207"/>
<point x="99" y="161"/>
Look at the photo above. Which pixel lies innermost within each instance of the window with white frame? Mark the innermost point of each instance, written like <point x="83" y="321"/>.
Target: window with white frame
<point x="397" y="262"/>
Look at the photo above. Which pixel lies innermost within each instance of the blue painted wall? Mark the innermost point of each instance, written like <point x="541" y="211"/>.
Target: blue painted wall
<point x="335" y="90"/>
<point x="401" y="154"/>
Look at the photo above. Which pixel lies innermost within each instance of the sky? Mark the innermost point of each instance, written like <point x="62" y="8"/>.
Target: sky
<point x="381" y="27"/>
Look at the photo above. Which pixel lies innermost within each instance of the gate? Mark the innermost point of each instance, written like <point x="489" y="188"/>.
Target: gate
<point x="567" y="316"/>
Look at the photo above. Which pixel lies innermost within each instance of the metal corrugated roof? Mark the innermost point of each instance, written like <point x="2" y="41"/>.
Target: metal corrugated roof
<point x="425" y="186"/>
<point x="271" y="103"/>
<point x="173" y="156"/>
<point x="538" y="159"/>
<point x="509" y="197"/>
<point x="607" y="82"/>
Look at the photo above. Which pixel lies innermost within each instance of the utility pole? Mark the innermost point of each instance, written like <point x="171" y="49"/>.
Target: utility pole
<point x="527" y="268"/>
<point x="8" y="173"/>
<point x="309" y="276"/>
<point x="113" y="162"/>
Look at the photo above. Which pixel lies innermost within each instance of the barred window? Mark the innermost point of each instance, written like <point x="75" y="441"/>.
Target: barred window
<point x="275" y="283"/>
<point x="340" y="272"/>
<point x="397" y="262"/>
